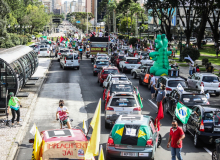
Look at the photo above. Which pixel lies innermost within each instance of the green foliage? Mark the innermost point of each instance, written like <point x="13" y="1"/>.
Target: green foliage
<point x="193" y="53"/>
<point x="25" y="41"/>
<point x="29" y="37"/>
<point x="15" y="39"/>
<point x="133" y="41"/>
<point x="205" y="61"/>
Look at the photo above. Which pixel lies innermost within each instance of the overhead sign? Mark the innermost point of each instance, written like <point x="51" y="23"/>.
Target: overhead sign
<point x="77" y="21"/>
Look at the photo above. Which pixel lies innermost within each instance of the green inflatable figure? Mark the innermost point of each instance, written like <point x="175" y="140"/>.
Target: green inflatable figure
<point x="161" y="64"/>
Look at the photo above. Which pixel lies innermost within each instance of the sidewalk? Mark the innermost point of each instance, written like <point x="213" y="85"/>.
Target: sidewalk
<point x="10" y="138"/>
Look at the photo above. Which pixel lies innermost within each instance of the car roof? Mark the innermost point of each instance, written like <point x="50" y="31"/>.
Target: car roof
<point x="173" y="78"/>
<point x="133" y="119"/>
<point x="64" y="135"/>
<point x="210" y="109"/>
<point x="102" y="60"/>
<point x="109" y="67"/>
<point x="118" y="75"/>
<point x="131" y="58"/>
<point x="190" y="91"/>
<point x="122" y="82"/>
<point x="208" y="74"/>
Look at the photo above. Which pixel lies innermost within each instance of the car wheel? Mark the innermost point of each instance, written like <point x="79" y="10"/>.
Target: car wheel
<point x="100" y="84"/>
<point x="77" y="68"/>
<point x="217" y="94"/>
<point x="166" y="106"/>
<point x="98" y="80"/>
<point x="122" y="70"/>
<point x="214" y="155"/>
<point x="195" y="141"/>
<point x="60" y="66"/>
<point x="134" y="75"/>
<point x="140" y="82"/>
<point x="107" y="126"/>
<point x="94" y="74"/>
<point x="159" y="140"/>
<point x="184" y="128"/>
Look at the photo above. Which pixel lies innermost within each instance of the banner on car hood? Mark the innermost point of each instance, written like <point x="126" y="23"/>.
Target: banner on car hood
<point x="64" y="149"/>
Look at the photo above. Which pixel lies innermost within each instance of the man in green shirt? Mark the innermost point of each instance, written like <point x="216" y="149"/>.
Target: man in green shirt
<point x="14" y="104"/>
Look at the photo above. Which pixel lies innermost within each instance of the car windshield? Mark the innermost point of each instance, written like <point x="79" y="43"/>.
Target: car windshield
<point x="210" y="79"/>
<point x="120" y="57"/>
<point x="102" y="62"/>
<point x="144" y="53"/>
<point x="108" y="71"/>
<point x="102" y="57"/>
<point x="194" y="98"/>
<point x="174" y="83"/>
<point x="64" y="51"/>
<point x="121" y="88"/>
<point x="132" y="61"/>
<point x="69" y="57"/>
<point x="123" y="102"/>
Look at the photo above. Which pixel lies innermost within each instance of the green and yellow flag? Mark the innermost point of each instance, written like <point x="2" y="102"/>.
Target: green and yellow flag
<point x="37" y="145"/>
<point x="182" y="112"/>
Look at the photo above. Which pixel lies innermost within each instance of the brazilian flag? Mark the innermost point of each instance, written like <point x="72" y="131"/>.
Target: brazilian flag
<point x="131" y="134"/>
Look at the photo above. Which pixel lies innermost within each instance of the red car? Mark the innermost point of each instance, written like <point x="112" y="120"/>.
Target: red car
<point x="102" y="75"/>
<point x="118" y="59"/>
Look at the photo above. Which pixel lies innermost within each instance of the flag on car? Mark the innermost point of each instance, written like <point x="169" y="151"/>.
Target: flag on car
<point x="138" y="96"/>
<point x="93" y="145"/>
<point x="101" y="154"/>
<point x="182" y="112"/>
<point x="61" y="39"/>
<point x="180" y="88"/>
<point x="160" y="116"/>
<point x="37" y="143"/>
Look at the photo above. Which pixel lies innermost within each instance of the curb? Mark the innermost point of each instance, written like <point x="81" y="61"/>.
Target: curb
<point x="23" y="129"/>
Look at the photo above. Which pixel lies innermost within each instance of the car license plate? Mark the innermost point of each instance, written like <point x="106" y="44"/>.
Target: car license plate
<point x="211" y="91"/>
<point x="217" y="129"/>
<point x="143" y="154"/>
<point x="129" y="154"/>
<point x="132" y="66"/>
<point x="122" y="113"/>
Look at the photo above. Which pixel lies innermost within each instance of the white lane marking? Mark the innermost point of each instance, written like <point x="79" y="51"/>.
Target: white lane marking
<point x="153" y="103"/>
<point x="209" y="152"/>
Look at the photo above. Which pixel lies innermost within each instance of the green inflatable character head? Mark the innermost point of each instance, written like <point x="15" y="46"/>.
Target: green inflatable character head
<point x="160" y="56"/>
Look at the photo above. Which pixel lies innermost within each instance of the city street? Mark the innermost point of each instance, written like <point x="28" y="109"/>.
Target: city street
<point x="81" y="92"/>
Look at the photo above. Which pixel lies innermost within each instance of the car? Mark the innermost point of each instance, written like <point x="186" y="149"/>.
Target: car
<point x="61" y="143"/>
<point x="44" y="52"/>
<point x="209" y="40"/>
<point x="170" y="83"/>
<point x="147" y="60"/>
<point x="135" y="72"/>
<point x="102" y="75"/>
<point x="133" y="137"/>
<point x="98" y="66"/>
<point x="114" y="56"/>
<point x="143" y="54"/>
<point x="193" y="39"/>
<point x="117" y="86"/>
<point x="128" y="63"/>
<point x="101" y="57"/>
<point x="216" y="151"/>
<point x="118" y="59"/>
<point x="120" y="103"/>
<point x="70" y="60"/>
<point x="114" y="77"/>
<point x="188" y="97"/>
<point x="33" y="37"/>
<point x="62" y="50"/>
<point x="125" y="47"/>
<point x="210" y="82"/>
<point x="203" y="124"/>
<point x="37" y="48"/>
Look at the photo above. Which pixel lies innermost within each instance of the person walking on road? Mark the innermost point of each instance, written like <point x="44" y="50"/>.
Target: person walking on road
<point x="81" y="52"/>
<point x="62" y="114"/>
<point x="161" y="93"/>
<point x="175" y="140"/>
<point x="152" y="83"/>
<point x="14" y="104"/>
<point x="191" y="66"/>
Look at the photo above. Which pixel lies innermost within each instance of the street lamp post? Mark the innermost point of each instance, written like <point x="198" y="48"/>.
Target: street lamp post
<point x="181" y="32"/>
<point x="22" y="28"/>
<point x="9" y="28"/>
<point x="15" y="28"/>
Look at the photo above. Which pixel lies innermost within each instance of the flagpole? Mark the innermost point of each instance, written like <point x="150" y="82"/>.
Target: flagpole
<point x="100" y="151"/>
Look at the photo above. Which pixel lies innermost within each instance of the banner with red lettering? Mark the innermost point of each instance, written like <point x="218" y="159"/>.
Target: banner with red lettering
<point x="64" y="149"/>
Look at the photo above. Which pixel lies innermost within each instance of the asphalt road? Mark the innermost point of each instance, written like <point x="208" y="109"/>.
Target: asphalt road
<point x="63" y="80"/>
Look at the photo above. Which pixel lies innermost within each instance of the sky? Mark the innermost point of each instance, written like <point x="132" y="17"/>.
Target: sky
<point x="66" y="0"/>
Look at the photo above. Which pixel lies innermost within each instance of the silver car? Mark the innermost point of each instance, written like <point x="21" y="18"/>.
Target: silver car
<point x="121" y="103"/>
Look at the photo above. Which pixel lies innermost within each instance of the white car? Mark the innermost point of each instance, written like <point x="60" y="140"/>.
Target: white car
<point x="193" y="39"/>
<point x="69" y="61"/>
<point x="128" y="63"/>
<point x="125" y="47"/>
<point x="114" y="77"/>
<point x="137" y="70"/>
<point x="44" y="52"/>
<point x="209" y="81"/>
<point x="209" y="40"/>
<point x="146" y="60"/>
<point x="62" y="51"/>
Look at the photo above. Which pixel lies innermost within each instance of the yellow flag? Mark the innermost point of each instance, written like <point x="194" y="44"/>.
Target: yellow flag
<point x="93" y="145"/>
<point x="84" y="126"/>
<point x="101" y="154"/>
<point x="37" y="145"/>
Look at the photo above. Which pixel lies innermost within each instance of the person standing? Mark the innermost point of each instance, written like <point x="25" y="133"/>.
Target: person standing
<point x="14" y="104"/>
<point x="161" y="93"/>
<point x="175" y="140"/>
<point x="152" y="83"/>
<point x="210" y="68"/>
<point x="191" y="66"/>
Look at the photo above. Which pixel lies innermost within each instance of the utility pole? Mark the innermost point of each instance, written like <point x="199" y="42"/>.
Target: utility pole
<point x="96" y="12"/>
<point x="114" y="22"/>
<point x="87" y="18"/>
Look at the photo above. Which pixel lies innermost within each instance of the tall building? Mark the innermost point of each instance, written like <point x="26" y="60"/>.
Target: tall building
<point x="53" y="4"/>
<point x="48" y="4"/>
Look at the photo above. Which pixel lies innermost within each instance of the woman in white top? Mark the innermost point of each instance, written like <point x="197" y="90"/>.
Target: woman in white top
<point x="62" y="114"/>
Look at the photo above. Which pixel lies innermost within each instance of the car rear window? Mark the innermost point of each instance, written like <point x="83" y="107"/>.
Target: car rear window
<point x="119" y="79"/>
<point x="121" y="88"/>
<point x="113" y="71"/>
<point x="102" y="62"/>
<point x="76" y="56"/>
<point x="210" y="79"/>
<point x="194" y="98"/>
<point x="69" y="57"/>
<point x="174" y="83"/>
<point x="123" y="102"/>
<point x="132" y="61"/>
<point x="208" y="116"/>
<point x="43" y="49"/>
<point x="120" y="57"/>
<point x="144" y="53"/>
<point x="64" y="51"/>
